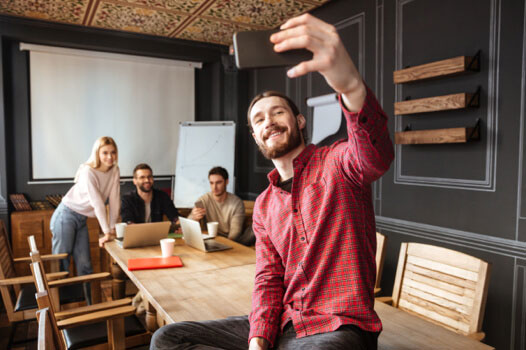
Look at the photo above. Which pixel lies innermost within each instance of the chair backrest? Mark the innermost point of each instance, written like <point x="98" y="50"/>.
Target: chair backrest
<point x="36" y="258"/>
<point x="442" y="285"/>
<point x="7" y="270"/>
<point x="380" y="257"/>
<point x="44" y="302"/>
<point x="46" y="337"/>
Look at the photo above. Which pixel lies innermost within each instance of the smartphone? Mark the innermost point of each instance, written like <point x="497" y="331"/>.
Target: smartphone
<point x="199" y="204"/>
<point x="253" y="49"/>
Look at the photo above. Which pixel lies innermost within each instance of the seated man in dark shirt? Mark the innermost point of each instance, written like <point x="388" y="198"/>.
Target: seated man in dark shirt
<point x="146" y="204"/>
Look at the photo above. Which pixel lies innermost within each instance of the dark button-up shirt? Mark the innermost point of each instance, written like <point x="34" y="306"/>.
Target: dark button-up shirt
<point x="132" y="208"/>
<point x="315" y="248"/>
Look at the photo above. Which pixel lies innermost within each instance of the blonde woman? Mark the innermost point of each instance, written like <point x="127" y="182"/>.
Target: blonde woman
<point x="96" y="182"/>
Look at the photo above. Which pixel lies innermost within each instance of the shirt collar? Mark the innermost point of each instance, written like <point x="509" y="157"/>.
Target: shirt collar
<point x="299" y="161"/>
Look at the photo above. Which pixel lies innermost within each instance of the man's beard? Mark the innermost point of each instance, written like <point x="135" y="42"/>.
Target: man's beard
<point x="141" y="187"/>
<point x="279" y="151"/>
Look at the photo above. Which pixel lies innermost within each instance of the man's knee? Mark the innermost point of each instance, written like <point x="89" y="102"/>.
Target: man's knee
<point x="163" y="338"/>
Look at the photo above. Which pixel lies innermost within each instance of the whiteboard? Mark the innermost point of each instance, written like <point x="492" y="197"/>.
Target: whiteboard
<point x="202" y="146"/>
<point x="326" y="116"/>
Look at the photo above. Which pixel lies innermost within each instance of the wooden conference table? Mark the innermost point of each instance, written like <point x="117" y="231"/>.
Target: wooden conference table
<point x="218" y="285"/>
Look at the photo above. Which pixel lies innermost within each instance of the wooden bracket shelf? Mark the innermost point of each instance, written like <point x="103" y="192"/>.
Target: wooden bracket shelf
<point x="449" y="67"/>
<point x="438" y="136"/>
<point x="437" y="103"/>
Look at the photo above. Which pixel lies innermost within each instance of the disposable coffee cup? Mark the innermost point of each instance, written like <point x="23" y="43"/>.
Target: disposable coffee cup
<point x="212" y="228"/>
<point x="167" y="247"/>
<point x="119" y="229"/>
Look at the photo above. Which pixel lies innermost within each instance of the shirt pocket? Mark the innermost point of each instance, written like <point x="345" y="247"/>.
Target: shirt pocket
<point x="313" y="201"/>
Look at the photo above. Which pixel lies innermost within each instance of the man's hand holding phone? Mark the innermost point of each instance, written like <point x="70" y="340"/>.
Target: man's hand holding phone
<point x="198" y="212"/>
<point x="310" y="45"/>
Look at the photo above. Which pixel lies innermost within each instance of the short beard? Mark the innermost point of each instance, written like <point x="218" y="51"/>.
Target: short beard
<point x="292" y="143"/>
<point x="145" y="190"/>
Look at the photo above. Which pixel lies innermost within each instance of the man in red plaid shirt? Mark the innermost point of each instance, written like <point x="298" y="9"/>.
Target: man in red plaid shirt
<point x="314" y="224"/>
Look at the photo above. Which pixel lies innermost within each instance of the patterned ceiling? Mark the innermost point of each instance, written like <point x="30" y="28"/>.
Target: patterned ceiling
<point x="211" y="21"/>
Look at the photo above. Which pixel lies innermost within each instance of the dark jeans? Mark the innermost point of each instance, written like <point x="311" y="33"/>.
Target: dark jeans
<point x="232" y="334"/>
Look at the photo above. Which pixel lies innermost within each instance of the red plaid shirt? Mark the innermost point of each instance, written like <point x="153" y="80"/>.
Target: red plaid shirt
<point x="316" y="246"/>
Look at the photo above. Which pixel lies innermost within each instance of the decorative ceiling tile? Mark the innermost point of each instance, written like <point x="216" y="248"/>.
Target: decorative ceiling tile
<point x="187" y="6"/>
<point x="202" y="20"/>
<point x="135" y="19"/>
<point x="203" y="29"/>
<point x="268" y="13"/>
<point x="70" y="11"/>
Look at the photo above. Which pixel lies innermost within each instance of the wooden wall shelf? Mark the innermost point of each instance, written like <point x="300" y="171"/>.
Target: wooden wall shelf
<point x="444" y="68"/>
<point x="437" y="136"/>
<point x="437" y="103"/>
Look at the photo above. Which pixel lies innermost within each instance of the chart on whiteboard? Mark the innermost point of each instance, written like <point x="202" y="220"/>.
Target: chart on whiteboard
<point x="202" y="146"/>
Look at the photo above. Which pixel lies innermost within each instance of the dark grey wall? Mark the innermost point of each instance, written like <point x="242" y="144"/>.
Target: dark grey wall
<point x="467" y="197"/>
<point x="14" y="89"/>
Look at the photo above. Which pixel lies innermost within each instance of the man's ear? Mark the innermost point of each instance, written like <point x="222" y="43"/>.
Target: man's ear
<point x="226" y="182"/>
<point x="134" y="181"/>
<point x="301" y="121"/>
<point x="254" y="136"/>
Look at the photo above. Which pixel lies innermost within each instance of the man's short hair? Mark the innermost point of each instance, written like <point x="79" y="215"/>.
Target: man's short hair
<point x="271" y="93"/>
<point x="219" y="171"/>
<point x="142" y="166"/>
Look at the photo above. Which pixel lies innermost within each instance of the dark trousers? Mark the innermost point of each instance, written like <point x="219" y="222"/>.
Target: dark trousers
<point x="232" y="334"/>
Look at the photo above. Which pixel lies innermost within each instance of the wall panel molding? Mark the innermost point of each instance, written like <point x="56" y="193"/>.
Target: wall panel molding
<point x="521" y="183"/>
<point x="470" y="240"/>
<point x="488" y="183"/>
<point x="379" y="88"/>
<point x="518" y="316"/>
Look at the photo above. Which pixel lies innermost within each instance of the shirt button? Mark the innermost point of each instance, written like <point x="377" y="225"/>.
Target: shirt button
<point x="295" y="210"/>
<point x="364" y="119"/>
<point x="302" y="238"/>
<point x="302" y="289"/>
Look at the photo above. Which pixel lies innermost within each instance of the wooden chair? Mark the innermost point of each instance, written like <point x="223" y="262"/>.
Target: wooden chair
<point x="443" y="286"/>
<point x="114" y="318"/>
<point x="380" y="257"/>
<point x="46" y="335"/>
<point x="18" y="293"/>
<point x="80" y="335"/>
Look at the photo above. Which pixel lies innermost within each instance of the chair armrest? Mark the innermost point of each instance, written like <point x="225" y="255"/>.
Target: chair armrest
<point x="92" y="308"/>
<point x="16" y="280"/>
<point x="477" y="336"/>
<point x="377" y="291"/>
<point x="47" y="257"/>
<point x="56" y="275"/>
<point x="29" y="279"/>
<point x="99" y="316"/>
<point x="79" y="279"/>
<point x="385" y="300"/>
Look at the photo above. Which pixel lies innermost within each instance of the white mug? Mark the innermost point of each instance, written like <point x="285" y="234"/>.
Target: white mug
<point x="167" y="247"/>
<point x="119" y="229"/>
<point x="212" y="228"/>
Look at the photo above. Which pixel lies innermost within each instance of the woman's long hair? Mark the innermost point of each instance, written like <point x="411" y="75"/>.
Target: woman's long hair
<point x="94" y="159"/>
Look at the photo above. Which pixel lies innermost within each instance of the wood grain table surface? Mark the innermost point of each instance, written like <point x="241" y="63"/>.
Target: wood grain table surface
<point x="217" y="285"/>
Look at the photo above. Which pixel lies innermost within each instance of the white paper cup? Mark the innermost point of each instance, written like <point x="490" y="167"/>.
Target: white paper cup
<point x="212" y="228"/>
<point x="167" y="247"/>
<point x="119" y="229"/>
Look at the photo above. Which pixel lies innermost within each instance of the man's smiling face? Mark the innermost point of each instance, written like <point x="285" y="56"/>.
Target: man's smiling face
<point x="275" y="128"/>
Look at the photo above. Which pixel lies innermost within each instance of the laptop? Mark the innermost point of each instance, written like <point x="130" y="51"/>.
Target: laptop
<point x="143" y="235"/>
<point x="194" y="237"/>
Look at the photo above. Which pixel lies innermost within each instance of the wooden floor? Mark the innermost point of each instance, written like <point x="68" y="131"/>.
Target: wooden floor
<point x="28" y="330"/>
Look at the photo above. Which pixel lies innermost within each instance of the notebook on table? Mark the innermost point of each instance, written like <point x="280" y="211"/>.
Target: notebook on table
<point x="154" y="263"/>
<point x="194" y="237"/>
<point x="143" y="235"/>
